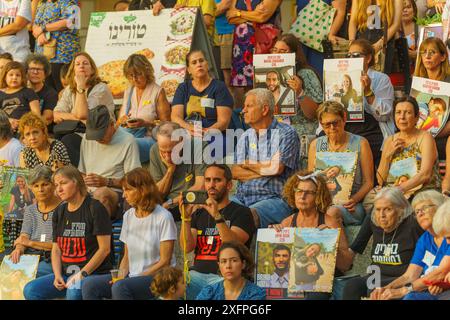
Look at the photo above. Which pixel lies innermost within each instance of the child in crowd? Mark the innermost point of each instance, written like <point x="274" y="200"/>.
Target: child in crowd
<point x="168" y="284"/>
<point x="62" y="75"/>
<point x="15" y="98"/>
<point x="4" y="59"/>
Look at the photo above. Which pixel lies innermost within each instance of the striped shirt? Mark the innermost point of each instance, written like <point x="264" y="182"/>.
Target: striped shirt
<point x="35" y="226"/>
<point x="280" y="137"/>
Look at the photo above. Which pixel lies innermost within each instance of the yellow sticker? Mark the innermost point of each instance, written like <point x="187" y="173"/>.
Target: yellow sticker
<point x="253" y="145"/>
<point x="189" y="177"/>
<point x="145" y="102"/>
<point x="199" y="232"/>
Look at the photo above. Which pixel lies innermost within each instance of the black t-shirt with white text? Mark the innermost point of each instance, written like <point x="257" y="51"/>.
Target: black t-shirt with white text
<point x="208" y="237"/>
<point x="18" y="103"/>
<point x="391" y="251"/>
<point x="75" y="233"/>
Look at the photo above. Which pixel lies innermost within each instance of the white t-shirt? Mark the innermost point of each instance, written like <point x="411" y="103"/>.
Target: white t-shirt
<point x="18" y="45"/>
<point x="143" y="236"/>
<point x="111" y="160"/>
<point x="10" y="152"/>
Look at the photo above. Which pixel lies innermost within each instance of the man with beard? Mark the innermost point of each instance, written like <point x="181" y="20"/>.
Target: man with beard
<point x="205" y="227"/>
<point x="284" y="96"/>
<point x="281" y="258"/>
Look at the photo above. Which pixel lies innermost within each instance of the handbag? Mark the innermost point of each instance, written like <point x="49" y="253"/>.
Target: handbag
<point x="313" y="24"/>
<point x="69" y="126"/>
<point x="50" y="49"/>
<point x="266" y="34"/>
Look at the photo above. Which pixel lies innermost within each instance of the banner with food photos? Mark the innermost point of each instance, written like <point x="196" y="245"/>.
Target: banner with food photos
<point x="342" y="83"/>
<point x="164" y="39"/>
<point x="433" y="99"/>
<point x="272" y="71"/>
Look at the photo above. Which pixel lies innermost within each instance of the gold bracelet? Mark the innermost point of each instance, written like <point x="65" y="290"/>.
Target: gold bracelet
<point x="186" y="220"/>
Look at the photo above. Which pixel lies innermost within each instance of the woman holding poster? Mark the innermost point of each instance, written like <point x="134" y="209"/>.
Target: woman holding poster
<point x="309" y="194"/>
<point x="433" y="64"/>
<point x="409" y="142"/>
<point x="377" y="101"/>
<point x="332" y="117"/>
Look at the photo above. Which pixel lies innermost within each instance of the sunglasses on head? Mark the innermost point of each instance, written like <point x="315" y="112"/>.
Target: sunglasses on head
<point x="355" y="55"/>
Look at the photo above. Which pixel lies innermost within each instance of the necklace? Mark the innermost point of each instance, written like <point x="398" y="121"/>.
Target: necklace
<point x="339" y="146"/>
<point x="388" y="248"/>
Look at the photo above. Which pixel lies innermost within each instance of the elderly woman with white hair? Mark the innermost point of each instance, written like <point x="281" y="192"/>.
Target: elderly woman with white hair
<point x="395" y="232"/>
<point x="430" y="251"/>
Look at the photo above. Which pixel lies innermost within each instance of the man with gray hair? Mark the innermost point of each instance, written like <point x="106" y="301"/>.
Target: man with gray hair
<point x="171" y="175"/>
<point x="266" y="155"/>
<point x="10" y="147"/>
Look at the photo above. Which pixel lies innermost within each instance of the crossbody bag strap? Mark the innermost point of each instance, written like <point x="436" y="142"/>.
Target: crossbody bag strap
<point x="128" y="107"/>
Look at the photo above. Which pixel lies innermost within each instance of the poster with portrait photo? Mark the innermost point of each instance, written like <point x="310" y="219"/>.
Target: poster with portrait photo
<point x="433" y="99"/>
<point x="15" y="193"/>
<point x="273" y="256"/>
<point x="342" y="83"/>
<point x="313" y="260"/>
<point x="401" y="170"/>
<point x="338" y="169"/>
<point x="272" y="71"/>
<point x="14" y="276"/>
<point x="435" y="30"/>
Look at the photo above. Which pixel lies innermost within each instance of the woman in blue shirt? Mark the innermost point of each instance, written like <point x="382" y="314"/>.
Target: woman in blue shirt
<point x="430" y="249"/>
<point x="236" y="266"/>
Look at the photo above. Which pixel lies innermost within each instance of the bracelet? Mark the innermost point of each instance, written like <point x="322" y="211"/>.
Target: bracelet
<point x="186" y="220"/>
<point x="369" y="94"/>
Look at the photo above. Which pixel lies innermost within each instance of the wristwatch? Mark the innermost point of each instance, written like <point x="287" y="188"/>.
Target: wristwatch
<point x="220" y="219"/>
<point x="84" y="274"/>
<point x="81" y="91"/>
<point x="369" y="94"/>
<point x="238" y="13"/>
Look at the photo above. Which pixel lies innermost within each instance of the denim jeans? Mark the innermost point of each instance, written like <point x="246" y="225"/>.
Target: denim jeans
<point x="43" y="289"/>
<point x="135" y="288"/>
<point x="44" y="268"/>
<point x="144" y="145"/>
<point x="198" y="282"/>
<point x="426" y="295"/>
<point x="353" y="218"/>
<point x="270" y="211"/>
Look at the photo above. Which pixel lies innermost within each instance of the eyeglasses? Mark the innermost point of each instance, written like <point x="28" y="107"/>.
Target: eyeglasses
<point x="355" y="55"/>
<point x="327" y="125"/>
<point x="427" y="53"/>
<point x="135" y="75"/>
<point x="276" y="50"/>
<point x="306" y="192"/>
<point x="424" y="209"/>
<point x="35" y="69"/>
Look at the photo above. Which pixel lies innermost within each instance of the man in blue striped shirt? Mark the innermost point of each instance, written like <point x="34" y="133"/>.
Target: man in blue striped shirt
<point x="266" y="155"/>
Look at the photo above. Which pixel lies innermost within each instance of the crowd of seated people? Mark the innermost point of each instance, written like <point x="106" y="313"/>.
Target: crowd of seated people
<point x="93" y="163"/>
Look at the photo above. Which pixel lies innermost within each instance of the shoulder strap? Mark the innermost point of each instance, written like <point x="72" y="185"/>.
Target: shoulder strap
<point x="249" y="5"/>
<point x="128" y="107"/>
<point x="321" y="218"/>
<point x="283" y="96"/>
<point x="294" y="220"/>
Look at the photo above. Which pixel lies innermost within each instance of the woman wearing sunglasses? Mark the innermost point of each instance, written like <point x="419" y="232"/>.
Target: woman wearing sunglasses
<point x="332" y="117"/>
<point x="307" y="86"/>
<point x="433" y="64"/>
<point x="309" y="194"/>
<point x="377" y="101"/>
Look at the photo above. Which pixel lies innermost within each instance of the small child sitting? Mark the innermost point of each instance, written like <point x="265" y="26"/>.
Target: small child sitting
<point x="168" y="284"/>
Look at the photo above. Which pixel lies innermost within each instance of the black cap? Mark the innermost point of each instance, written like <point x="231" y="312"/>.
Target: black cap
<point x="97" y="123"/>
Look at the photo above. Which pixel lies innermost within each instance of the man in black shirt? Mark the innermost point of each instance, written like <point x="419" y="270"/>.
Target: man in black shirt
<point x="205" y="227"/>
<point x="38" y="69"/>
